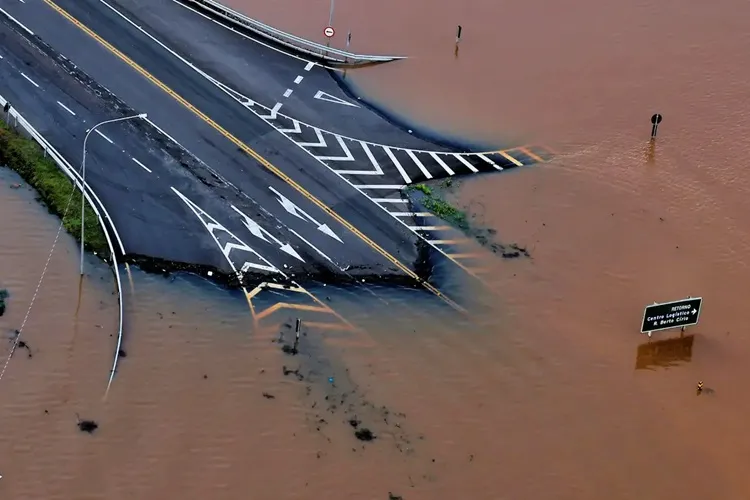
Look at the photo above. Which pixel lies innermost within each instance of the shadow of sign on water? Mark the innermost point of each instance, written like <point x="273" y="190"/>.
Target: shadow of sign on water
<point x="665" y="353"/>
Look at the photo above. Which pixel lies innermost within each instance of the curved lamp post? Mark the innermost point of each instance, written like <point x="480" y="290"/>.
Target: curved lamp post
<point x="83" y="171"/>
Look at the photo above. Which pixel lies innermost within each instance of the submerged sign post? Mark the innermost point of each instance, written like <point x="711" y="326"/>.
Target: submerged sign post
<point x="675" y="314"/>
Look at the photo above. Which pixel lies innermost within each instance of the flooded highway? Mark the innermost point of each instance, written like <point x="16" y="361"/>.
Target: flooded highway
<point x="548" y="392"/>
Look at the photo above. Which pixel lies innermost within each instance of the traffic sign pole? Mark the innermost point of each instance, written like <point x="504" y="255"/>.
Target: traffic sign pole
<point x="655" y="121"/>
<point x="667" y="315"/>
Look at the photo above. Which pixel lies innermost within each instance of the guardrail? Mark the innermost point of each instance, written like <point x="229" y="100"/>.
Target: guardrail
<point x="14" y="118"/>
<point x="299" y="44"/>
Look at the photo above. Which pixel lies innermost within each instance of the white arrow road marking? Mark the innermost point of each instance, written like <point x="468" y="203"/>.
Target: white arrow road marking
<point x="324" y="96"/>
<point x="261" y="233"/>
<point x="213" y="225"/>
<point x="695" y="311"/>
<point x="348" y="156"/>
<point x="293" y="209"/>
<point x="316" y="249"/>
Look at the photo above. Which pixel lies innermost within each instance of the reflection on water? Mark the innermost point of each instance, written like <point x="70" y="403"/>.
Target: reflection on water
<point x="665" y="353"/>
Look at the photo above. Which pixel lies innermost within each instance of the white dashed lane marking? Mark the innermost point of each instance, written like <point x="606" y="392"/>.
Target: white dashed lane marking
<point x="288" y="92"/>
<point x="63" y="106"/>
<point x="142" y="165"/>
<point x="309" y="66"/>
<point x="30" y="80"/>
<point x="104" y="137"/>
<point x="299" y="79"/>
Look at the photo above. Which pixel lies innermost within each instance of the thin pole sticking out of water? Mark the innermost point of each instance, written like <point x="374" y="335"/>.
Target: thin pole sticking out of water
<point x="297" y="328"/>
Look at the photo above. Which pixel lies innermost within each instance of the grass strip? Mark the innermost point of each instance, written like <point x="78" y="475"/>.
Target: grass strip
<point x="27" y="158"/>
<point x="441" y="208"/>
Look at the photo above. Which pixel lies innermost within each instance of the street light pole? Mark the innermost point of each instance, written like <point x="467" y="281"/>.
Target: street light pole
<point x="83" y="172"/>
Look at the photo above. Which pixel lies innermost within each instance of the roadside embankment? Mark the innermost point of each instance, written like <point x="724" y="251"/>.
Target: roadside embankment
<point x="27" y="158"/>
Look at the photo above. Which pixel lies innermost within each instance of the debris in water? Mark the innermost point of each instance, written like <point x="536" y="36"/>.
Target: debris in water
<point x="268" y="396"/>
<point x="87" y="425"/>
<point x="15" y="186"/>
<point x="354" y="422"/>
<point x="122" y="353"/>
<point x="364" y="434"/>
<point x="287" y="349"/>
<point x="205" y="376"/>
<point x="391" y="496"/>
<point x="3" y="296"/>
<point x="296" y="373"/>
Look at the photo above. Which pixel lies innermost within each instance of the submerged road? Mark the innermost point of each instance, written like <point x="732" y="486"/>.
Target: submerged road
<point x="165" y="202"/>
<point x="264" y="125"/>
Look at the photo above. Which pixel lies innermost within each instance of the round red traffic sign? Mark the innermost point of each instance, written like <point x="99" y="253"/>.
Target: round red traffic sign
<point x="329" y="31"/>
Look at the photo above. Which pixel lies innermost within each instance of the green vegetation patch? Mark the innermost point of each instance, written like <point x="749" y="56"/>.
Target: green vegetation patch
<point x="441" y="208"/>
<point x="27" y="158"/>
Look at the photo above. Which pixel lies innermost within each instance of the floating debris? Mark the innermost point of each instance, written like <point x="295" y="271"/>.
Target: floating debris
<point x="3" y="296"/>
<point x="86" y="425"/>
<point x="287" y="349"/>
<point x="268" y="396"/>
<point x="391" y="496"/>
<point x="364" y="434"/>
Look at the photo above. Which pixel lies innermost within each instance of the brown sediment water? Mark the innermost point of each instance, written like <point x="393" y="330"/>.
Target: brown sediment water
<point x="546" y="397"/>
<point x="612" y="225"/>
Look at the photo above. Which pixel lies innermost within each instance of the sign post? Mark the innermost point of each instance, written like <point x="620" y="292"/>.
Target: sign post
<point x="655" y="121"/>
<point x="675" y="314"/>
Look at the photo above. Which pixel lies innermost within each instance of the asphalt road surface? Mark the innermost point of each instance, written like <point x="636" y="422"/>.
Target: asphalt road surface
<point x="262" y="124"/>
<point x="162" y="199"/>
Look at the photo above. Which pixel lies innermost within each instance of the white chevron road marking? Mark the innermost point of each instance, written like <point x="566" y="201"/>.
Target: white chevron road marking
<point x="321" y="141"/>
<point x="377" y="171"/>
<point x="348" y="153"/>
<point x="295" y="130"/>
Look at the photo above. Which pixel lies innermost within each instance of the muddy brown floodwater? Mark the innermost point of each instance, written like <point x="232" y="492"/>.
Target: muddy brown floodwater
<point x="552" y="395"/>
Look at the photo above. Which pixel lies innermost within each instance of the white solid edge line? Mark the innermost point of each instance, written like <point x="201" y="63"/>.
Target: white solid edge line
<point x="309" y="65"/>
<point x="412" y="214"/>
<point x="229" y="28"/>
<point x="314" y="247"/>
<point x="30" y="80"/>
<point x="428" y="228"/>
<point x="104" y="137"/>
<point x="142" y="165"/>
<point x="17" y="22"/>
<point x="63" y="106"/>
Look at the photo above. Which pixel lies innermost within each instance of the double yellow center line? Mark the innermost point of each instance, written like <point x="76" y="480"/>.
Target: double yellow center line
<point x="244" y="147"/>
